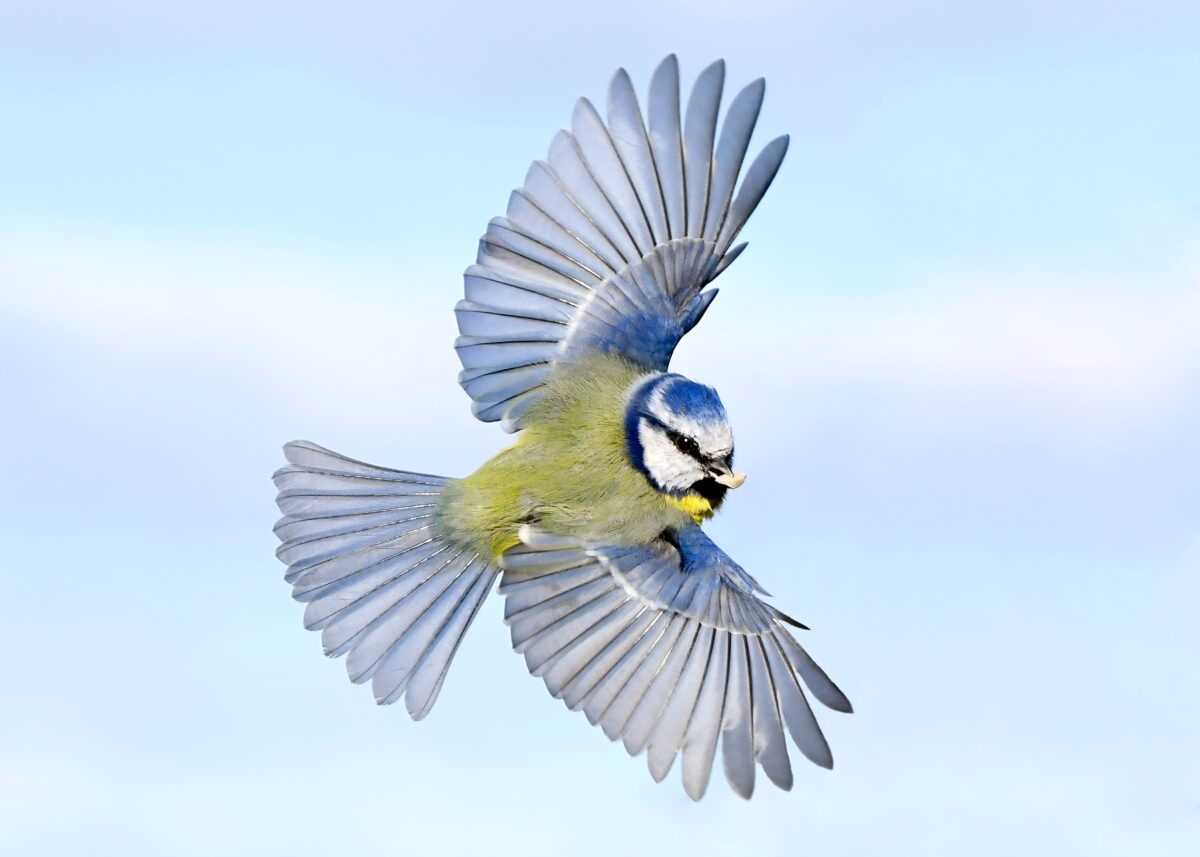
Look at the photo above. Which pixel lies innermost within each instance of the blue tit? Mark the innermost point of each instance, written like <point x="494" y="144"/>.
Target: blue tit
<point x="592" y="519"/>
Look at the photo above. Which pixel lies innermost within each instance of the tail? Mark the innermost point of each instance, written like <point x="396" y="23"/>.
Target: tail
<point x="364" y="552"/>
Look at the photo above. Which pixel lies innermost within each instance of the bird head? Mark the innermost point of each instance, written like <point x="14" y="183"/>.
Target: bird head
<point x="678" y="435"/>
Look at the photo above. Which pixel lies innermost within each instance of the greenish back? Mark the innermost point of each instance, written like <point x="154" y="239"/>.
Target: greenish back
<point x="568" y="473"/>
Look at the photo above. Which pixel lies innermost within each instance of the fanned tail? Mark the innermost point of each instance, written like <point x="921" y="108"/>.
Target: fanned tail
<point x="365" y="554"/>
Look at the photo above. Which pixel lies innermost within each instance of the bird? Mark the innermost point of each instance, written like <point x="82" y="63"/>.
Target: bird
<point x="593" y="519"/>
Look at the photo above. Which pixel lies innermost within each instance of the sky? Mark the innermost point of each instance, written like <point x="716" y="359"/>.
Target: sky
<point x="961" y="356"/>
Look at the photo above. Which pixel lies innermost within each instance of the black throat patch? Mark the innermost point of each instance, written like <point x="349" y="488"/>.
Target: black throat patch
<point x="711" y="490"/>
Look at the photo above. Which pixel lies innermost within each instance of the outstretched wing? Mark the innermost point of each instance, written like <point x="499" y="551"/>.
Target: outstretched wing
<point x="667" y="647"/>
<point x="611" y="241"/>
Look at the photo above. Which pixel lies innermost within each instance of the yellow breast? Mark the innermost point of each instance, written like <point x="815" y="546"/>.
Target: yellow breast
<point x="693" y="504"/>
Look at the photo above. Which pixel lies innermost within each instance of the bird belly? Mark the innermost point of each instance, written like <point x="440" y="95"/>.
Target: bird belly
<point x="568" y="473"/>
<point x="593" y="504"/>
<point x="696" y="507"/>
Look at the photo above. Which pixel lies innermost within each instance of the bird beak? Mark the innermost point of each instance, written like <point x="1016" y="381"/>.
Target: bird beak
<point x="730" y="479"/>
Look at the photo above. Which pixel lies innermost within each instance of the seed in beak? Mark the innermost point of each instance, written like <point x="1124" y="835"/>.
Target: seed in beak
<point x="730" y="479"/>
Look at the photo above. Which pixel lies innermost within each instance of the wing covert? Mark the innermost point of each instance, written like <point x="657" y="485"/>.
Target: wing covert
<point x="609" y="244"/>
<point x="668" y="648"/>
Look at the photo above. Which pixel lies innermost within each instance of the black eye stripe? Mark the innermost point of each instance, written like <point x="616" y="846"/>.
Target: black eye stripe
<point x="685" y="444"/>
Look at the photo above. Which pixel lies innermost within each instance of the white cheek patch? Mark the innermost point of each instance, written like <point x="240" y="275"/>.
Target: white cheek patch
<point x="667" y="466"/>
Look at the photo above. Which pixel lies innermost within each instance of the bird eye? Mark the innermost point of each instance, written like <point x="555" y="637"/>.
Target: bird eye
<point x="684" y="444"/>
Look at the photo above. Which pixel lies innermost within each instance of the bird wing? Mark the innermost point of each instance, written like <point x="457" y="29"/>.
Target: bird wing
<point x="610" y="243"/>
<point x="668" y="647"/>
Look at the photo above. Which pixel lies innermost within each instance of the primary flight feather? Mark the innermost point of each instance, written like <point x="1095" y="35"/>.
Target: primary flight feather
<point x="613" y="593"/>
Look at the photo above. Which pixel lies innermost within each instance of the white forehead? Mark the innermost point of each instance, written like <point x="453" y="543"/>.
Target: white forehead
<point x="694" y="411"/>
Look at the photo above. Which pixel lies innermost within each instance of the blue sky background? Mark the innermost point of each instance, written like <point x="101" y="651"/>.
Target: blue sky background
<point x="962" y="357"/>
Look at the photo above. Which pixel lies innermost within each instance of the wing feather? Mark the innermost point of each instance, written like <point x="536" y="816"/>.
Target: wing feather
<point x="573" y="658"/>
<point x="753" y="188"/>
<point x="579" y="686"/>
<point x="546" y="189"/>
<point x="550" y="642"/>
<point x="599" y="152"/>
<point x="704" y="728"/>
<point x="668" y="648"/>
<point x="672" y="723"/>
<point x="631" y="682"/>
<point x="603" y="702"/>
<point x="640" y="726"/>
<point x="737" y="727"/>
<point x="537" y="224"/>
<point x="797" y="713"/>
<point x="700" y="129"/>
<point x="815" y="678"/>
<point x="506" y="248"/>
<point x="666" y="142"/>
<point x="628" y="133"/>
<point x="528" y="624"/>
<point x="731" y="150"/>
<point x="770" y="747"/>
<point x="610" y="242"/>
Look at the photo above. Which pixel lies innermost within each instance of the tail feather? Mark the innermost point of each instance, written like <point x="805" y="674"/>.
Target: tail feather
<point x="365" y="553"/>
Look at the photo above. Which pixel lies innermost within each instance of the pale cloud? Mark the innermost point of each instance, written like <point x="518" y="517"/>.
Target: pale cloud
<point x="1122" y="341"/>
<point x="236" y="325"/>
<point x="328" y="325"/>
